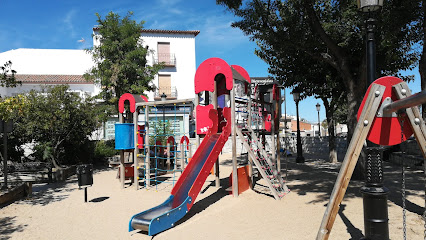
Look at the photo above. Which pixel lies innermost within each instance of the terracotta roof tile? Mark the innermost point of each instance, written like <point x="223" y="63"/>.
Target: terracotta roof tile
<point x="194" y="32"/>
<point x="51" y="79"/>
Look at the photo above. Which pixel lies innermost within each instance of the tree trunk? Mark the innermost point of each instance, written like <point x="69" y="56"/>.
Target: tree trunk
<point x="422" y="63"/>
<point x="331" y="133"/>
<point x="355" y="95"/>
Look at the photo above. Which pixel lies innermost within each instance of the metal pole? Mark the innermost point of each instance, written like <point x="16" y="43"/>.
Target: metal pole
<point x="299" y="158"/>
<point x="319" y="126"/>
<point x="374" y="193"/>
<point x="85" y="194"/>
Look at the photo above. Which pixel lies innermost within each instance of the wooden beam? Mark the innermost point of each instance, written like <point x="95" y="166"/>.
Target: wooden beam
<point x="154" y="103"/>
<point x="147" y="150"/>
<point x="361" y="131"/>
<point x="135" y="151"/>
<point x="413" y="113"/>
<point x="234" y="145"/>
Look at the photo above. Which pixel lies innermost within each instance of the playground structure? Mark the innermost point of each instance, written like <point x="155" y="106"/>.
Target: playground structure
<point x="217" y="117"/>
<point x="388" y="115"/>
<point x="148" y="156"/>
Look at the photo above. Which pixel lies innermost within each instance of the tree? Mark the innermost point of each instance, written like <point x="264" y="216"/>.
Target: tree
<point x="121" y="59"/>
<point x="7" y="75"/>
<point x="301" y="38"/>
<point x="422" y="62"/>
<point x="59" y="123"/>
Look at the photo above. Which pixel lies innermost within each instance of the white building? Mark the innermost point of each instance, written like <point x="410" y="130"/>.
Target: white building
<point x="38" y="67"/>
<point x="177" y="50"/>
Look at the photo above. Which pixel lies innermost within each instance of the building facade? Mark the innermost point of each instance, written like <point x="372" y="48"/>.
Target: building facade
<point x="43" y="67"/>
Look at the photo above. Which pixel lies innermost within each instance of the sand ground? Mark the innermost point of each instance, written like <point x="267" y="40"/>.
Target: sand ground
<point x="58" y="211"/>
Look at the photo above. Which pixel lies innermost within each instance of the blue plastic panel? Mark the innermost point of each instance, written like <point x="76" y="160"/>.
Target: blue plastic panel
<point x="124" y="136"/>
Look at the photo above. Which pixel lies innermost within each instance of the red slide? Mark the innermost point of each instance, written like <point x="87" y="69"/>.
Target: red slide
<point x="189" y="184"/>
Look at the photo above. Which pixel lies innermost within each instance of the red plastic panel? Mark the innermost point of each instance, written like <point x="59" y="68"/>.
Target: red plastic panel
<point x="203" y="122"/>
<point x="268" y="123"/>
<point x="141" y="136"/>
<point x="171" y="139"/>
<point x="211" y="131"/>
<point x="242" y="72"/>
<point x="123" y="98"/>
<point x="245" y="75"/>
<point x="387" y="130"/>
<point x="133" y="99"/>
<point x="207" y="71"/>
<point x="185" y="139"/>
<point x="211" y="159"/>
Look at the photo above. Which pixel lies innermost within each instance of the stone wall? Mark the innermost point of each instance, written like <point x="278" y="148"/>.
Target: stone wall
<point x="316" y="147"/>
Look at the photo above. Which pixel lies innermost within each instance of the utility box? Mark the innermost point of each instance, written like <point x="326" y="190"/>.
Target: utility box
<point x="85" y="175"/>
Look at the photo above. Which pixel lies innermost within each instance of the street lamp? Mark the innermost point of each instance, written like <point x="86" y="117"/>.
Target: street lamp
<point x="319" y="127"/>
<point x="374" y="194"/>
<point x="163" y="97"/>
<point x="369" y="6"/>
<point x="299" y="158"/>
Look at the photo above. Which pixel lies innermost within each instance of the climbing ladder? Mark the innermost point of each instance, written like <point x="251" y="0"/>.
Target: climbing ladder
<point x="263" y="162"/>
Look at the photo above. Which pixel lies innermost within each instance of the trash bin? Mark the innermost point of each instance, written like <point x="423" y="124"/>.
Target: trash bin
<point x="85" y="175"/>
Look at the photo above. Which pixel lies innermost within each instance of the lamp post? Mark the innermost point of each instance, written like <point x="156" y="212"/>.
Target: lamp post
<point x="163" y="98"/>
<point x="374" y="193"/>
<point x="319" y="126"/>
<point x="299" y="158"/>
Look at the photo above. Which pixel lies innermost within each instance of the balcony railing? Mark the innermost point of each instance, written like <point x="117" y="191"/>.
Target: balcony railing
<point x="169" y="59"/>
<point x="171" y="93"/>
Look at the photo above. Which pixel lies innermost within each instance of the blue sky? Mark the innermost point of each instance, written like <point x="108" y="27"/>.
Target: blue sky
<point x="60" y="24"/>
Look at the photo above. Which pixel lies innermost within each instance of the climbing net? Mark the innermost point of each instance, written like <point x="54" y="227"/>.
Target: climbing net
<point x="166" y="144"/>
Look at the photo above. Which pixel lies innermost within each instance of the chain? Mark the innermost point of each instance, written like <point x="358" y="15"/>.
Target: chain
<point x="404" y="217"/>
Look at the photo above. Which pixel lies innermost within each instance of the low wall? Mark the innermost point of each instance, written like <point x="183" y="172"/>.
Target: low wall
<point x="312" y="146"/>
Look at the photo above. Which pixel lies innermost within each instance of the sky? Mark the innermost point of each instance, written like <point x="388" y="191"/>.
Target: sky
<point x="53" y="24"/>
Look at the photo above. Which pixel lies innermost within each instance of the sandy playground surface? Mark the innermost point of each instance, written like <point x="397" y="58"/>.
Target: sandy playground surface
<point x="58" y="211"/>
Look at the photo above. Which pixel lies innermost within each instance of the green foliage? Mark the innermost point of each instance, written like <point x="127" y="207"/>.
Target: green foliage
<point x="121" y="59"/>
<point x="7" y="76"/>
<point x="104" y="149"/>
<point x="162" y="131"/>
<point x="318" y="47"/>
<point x="59" y="123"/>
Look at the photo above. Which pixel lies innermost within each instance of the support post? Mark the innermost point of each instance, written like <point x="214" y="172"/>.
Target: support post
<point x="278" y="109"/>
<point x="147" y="150"/>
<point x="234" y="145"/>
<point x="197" y="102"/>
<point x="216" y="165"/>
<point x="168" y="156"/>
<point x="360" y="134"/>
<point x="135" y="151"/>
<point x="273" y="142"/>
<point x="249" y="138"/>
<point x="122" y="172"/>
<point x="182" y="156"/>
